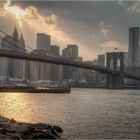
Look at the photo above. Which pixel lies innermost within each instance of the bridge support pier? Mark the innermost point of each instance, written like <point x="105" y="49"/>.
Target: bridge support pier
<point x="115" y="62"/>
<point x="115" y="81"/>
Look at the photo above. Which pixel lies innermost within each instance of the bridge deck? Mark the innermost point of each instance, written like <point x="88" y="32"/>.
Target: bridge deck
<point x="54" y="60"/>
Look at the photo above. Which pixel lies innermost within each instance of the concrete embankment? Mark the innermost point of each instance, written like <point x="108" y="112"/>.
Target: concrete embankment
<point x="11" y="129"/>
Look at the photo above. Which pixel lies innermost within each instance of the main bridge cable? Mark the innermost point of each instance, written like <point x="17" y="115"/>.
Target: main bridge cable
<point x="7" y="45"/>
<point x="66" y="62"/>
<point x="19" y="42"/>
<point x="26" y="46"/>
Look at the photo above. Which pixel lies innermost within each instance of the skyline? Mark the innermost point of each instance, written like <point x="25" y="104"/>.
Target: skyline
<point x="93" y="34"/>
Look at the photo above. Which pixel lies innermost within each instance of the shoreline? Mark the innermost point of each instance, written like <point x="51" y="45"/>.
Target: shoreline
<point x="11" y="129"/>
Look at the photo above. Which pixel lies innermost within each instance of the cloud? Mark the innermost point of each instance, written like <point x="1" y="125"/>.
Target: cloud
<point x="52" y="19"/>
<point x="105" y="29"/>
<point x="110" y="46"/>
<point x="130" y="6"/>
<point x="32" y="17"/>
<point x="31" y="21"/>
<point x="1" y="9"/>
<point x="103" y="32"/>
<point x="135" y="7"/>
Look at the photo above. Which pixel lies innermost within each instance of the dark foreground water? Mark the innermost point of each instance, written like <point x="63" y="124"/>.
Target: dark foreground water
<point x="85" y="113"/>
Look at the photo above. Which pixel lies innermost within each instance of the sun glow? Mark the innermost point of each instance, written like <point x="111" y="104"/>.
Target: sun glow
<point x="15" y="10"/>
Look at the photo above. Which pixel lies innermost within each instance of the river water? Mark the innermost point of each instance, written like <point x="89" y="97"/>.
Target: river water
<point x="85" y="113"/>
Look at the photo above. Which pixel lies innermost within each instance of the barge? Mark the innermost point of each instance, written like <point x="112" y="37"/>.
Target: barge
<point x="30" y="89"/>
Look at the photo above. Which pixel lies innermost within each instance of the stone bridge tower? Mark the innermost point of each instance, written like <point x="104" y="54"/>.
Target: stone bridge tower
<point x="115" y="61"/>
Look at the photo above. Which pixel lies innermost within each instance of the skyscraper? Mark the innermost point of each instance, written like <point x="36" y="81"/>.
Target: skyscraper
<point x="43" y="46"/>
<point x="134" y="49"/>
<point x="70" y="53"/>
<point x="54" y="51"/>
<point x="43" y="41"/>
<point x="18" y="65"/>
<point x="5" y="45"/>
<point x="14" y="68"/>
<point x="23" y="66"/>
<point x="101" y="60"/>
<point x="41" y="71"/>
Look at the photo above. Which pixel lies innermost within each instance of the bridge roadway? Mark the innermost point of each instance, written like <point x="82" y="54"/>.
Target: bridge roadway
<point x="56" y="60"/>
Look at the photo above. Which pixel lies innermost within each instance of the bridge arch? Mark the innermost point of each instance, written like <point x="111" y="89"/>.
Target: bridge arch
<point x="115" y="60"/>
<point x="118" y="64"/>
<point x="111" y="65"/>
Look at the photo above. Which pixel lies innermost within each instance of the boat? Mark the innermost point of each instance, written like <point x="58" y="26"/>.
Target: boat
<point x="30" y="89"/>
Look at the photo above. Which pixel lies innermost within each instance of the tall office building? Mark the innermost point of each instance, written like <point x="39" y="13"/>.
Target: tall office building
<point x="18" y="65"/>
<point x="34" y="70"/>
<point x="69" y="53"/>
<point x="79" y="73"/>
<point x="12" y="70"/>
<point x="54" y="51"/>
<point x="134" y="49"/>
<point x="72" y="51"/>
<point x="15" y="68"/>
<point x="39" y="70"/>
<point x="4" y="66"/>
<point x="43" y="45"/>
<point x="101" y="60"/>
<point x="5" y="45"/>
<point x="43" y="41"/>
<point x="23" y="63"/>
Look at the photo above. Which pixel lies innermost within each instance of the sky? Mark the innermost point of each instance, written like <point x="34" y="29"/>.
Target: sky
<point x="95" y="26"/>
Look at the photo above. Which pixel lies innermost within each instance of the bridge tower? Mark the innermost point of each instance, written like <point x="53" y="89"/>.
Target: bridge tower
<point x="115" y="61"/>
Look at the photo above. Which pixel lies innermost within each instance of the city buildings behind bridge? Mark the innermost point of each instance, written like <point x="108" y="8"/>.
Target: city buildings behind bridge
<point x="24" y="71"/>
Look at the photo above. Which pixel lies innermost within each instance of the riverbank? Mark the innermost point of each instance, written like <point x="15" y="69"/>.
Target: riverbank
<point x="11" y="129"/>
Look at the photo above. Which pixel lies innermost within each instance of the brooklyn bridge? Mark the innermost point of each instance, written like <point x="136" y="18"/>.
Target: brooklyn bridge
<point x="114" y="69"/>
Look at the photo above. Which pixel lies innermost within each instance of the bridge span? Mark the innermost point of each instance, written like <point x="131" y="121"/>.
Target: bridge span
<point x="114" y="77"/>
<point x="54" y="60"/>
